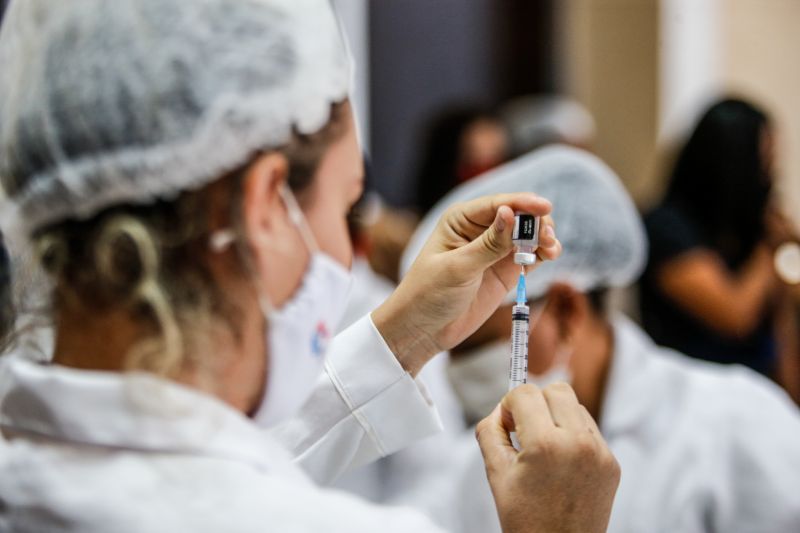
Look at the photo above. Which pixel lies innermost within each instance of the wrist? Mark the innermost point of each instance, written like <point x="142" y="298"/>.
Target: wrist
<point x="410" y="344"/>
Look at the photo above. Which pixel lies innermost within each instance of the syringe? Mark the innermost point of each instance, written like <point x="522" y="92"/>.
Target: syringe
<point x="520" y="323"/>
<point x="526" y="241"/>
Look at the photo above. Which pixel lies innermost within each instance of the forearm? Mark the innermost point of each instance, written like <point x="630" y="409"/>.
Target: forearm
<point x="757" y="278"/>
<point x="752" y="291"/>
<point x="730" y="303"/>
<point x="411" y="345"/>
<point x="787" y="336"/>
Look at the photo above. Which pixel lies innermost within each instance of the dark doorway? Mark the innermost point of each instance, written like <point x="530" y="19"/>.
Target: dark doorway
<point x="426" y="55"/>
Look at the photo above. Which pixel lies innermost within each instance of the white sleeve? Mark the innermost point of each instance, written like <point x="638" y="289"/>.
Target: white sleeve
<point x="252" y="500"/>
<point x="340" y="512"/>
<point x="364" y="406"/>
<point x="762" y="480"/>
<point x="277" y="504"/>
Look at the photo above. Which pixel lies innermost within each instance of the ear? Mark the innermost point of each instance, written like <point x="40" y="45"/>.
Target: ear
<point x="272" y="238"/>
<point x="570" y="307"/>
<point x="263" y="212"/>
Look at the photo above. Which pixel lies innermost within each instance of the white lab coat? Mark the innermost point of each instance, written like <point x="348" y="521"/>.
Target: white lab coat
<point x="96" y="452"/>
<point x="702" y="447"/>
<point x="417" y="475"/>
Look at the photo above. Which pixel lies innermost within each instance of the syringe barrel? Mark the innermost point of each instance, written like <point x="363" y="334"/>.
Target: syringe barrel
<point x="518" y="366"/>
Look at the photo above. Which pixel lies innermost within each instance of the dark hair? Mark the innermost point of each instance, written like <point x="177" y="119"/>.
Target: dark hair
<point x="305" y="151"/>
<point x="598" y="300"/>
<point x="720" y="179"/>
<point x="437" y="171"/>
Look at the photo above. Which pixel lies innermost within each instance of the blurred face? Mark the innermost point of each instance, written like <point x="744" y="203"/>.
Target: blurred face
<point x="282" y="254"/>
<point x="483" y="146"/>
<point x="545" y="339"/>
<point x="337" y="185"/>
<point x="277" y="233"/>
<point x="558" y="323"/>
<point x="554" y="321"/>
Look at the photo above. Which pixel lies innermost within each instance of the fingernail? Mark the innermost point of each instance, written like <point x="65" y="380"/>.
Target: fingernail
<point x="500" y="223"/>
<point x="550" y="232"/>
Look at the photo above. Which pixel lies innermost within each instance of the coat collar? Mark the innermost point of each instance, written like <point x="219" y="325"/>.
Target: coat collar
<point x="131" y="411"/>
<point x="643" y="390"/>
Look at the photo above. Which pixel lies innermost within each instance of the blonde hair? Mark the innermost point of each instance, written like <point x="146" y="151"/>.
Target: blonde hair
<point x="152" y="262"/>
<point x="147" y="261"/>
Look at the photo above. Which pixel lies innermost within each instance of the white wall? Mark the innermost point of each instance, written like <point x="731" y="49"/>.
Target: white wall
<point x="746" y="48"/>
<point x="691" y="63"/>
<point x="762" y="40"/>
<point x="608" y="61"/>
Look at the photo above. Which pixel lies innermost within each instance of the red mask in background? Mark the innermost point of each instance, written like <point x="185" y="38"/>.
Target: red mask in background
<point x="467" y="171"/>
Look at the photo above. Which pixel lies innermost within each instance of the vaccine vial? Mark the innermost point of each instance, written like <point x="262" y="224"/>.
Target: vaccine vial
<point x="525" y="238"/>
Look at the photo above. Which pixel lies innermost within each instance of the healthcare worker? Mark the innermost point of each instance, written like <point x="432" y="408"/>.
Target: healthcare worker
<point x="182" y="171"/>
<point x="703" y="447"/>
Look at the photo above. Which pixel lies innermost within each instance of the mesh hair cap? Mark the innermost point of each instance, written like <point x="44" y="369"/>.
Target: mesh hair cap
<point x="128" y="101"/>
<point x="604" y="241"/>
<point x="536" y="120"/>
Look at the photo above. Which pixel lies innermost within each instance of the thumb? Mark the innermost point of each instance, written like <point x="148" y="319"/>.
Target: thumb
<point x="492" y="245"/>
<point x="495" y="442"/>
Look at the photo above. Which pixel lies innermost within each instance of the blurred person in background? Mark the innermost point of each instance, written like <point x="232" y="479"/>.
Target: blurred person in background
<point x="383" y="233"/>
<point x="539" y="119"/>
<point x="182" y="172"/>
<point x="710" y="289"/>
<point x="703" y="447"/>
<point x="460" y="144"/>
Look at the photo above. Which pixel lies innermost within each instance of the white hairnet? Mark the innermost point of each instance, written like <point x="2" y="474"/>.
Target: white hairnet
<point x="127" y="101"/>
<point x="596" y="221"/>
<point x="536" y="120"/>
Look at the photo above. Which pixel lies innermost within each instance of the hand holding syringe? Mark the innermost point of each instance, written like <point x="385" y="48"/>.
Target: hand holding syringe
<point x="553" y="455"/>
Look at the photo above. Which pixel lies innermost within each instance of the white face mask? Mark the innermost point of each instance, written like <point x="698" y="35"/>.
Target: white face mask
<point x="299" y="332"/>
<point x="480" y="378"/>
<point x="298" y="336"/>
